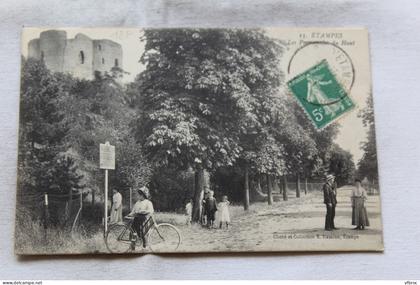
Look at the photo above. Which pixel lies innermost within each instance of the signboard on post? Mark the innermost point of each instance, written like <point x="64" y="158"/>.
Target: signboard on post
<point x="106" y="156"/>
<point x="106" y="161"/>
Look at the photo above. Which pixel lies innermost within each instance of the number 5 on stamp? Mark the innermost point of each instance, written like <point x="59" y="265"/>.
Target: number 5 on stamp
<point x="320" y="94"/>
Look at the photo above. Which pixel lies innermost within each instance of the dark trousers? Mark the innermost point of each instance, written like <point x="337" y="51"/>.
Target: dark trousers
<point x="138" y="226"/>
<point x="329" y="218"/>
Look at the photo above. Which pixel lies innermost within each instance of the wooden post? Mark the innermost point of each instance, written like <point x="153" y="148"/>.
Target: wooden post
<point x="46" y="216"/>
<point x="246" y="190"/>
<point x="106" y="203"/>
<point x="81" y="205"/>
<point x="131" y="198"/>
<point x="106" y="161"/>
<point x="306" y="185"/>
<point x="70" y="205"/>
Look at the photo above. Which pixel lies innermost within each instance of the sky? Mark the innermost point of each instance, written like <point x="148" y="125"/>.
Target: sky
<point x="352" y="132"/>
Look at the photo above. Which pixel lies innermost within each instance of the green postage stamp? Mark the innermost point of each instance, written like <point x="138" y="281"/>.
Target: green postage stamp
<point x="320" y="94"/>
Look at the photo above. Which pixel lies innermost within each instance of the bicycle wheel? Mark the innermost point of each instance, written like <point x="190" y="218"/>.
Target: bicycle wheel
<point x="164" y="238"/>
<point x="118" y="238"/>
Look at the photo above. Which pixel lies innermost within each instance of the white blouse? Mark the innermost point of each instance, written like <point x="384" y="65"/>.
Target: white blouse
<point x="143" y="207"/>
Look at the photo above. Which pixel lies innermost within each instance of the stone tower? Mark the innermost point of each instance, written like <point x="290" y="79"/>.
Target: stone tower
<point x="80" y="56"/>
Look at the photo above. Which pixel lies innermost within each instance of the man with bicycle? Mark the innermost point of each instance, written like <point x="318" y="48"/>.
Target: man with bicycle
<point x="142" y="212"/>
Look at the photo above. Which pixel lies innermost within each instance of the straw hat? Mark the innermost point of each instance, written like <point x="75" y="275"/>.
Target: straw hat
<point x="145" y="191"/>
<point x="329" y="177"/>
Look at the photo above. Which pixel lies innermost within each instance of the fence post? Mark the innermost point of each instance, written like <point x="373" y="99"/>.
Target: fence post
<point x="79" y="213"/>
<point x="46" y="216"/>
<point x="131" y="198"/>
<point x="70" y="203"/>
<point x="81" y="205"/>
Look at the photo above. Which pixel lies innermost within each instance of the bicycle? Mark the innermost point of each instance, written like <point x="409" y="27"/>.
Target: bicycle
<point x="122" y="238"/>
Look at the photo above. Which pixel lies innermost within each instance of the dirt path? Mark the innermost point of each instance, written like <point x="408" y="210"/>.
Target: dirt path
<point x="296" y="224"/>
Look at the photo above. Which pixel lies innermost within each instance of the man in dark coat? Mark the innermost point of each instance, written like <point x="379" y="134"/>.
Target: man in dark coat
<point x="330" y="200"/>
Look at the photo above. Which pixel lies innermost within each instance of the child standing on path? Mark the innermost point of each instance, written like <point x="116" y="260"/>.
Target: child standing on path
<point x="224" y="212"/>
<point x="188" y="211"/>
<point x="211" y="208"/>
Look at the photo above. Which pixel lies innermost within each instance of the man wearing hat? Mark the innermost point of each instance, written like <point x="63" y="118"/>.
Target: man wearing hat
<point x="330" y="200"/>
<point x="142" y="210"/>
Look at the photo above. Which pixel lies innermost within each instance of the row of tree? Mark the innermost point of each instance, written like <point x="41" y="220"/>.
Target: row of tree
<point x="209" y="101"/>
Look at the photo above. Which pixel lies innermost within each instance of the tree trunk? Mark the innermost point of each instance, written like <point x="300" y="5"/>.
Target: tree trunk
<point x="70" y="204"/>
<point x="198" y="195"/>
<point x="281" y="186"/>
<point x="269" y="190"/>
<point x="255" y="193"/>
<point x="259" y="183"/>
<point x="276" y="188"/>
<point x="297" y="185"/>
<point x="93" y="198"/>
<point x="285" y="198"/>
<point x="246" y="190"/>
<point x="306" y="185"/>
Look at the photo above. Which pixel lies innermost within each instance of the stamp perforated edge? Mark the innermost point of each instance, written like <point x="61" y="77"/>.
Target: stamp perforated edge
<point x="341" y="116"/>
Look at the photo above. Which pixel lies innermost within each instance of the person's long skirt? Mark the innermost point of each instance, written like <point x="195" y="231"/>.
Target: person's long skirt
<point x="116" y="216"/>
<point x="359" y="214"/>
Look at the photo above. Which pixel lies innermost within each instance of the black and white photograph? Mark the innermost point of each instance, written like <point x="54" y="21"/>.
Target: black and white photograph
<point x="189" y="140"/>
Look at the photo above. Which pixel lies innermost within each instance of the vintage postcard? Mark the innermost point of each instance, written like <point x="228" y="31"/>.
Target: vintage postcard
<point x="196" y="140"/>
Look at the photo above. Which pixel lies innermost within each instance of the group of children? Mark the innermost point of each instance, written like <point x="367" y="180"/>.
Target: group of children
<point x="210" y="207"/>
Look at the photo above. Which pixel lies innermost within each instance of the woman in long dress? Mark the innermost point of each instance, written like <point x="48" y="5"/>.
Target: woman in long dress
<point x="224" y="216"/>
<point x="116" y="210"/>
<point x="359" y="213"/>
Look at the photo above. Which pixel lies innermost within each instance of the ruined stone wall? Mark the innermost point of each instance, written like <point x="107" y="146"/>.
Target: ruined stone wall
<point x="52" y="44"/>
<point x="107" y="54"/>
<point x="78" y="57"/>
<point x="33" y="49"/>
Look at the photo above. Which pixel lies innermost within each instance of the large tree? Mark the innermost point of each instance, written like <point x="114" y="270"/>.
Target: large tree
<point x="368" y="165"/>
<point x="304" y="146"/>
<point x="341" y="165"/>
<point x="198" y="93"/>
<point x="97" y="111"/>
<point x="43" y="165"/>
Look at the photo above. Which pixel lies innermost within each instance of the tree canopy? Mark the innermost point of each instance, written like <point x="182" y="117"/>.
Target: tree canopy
<point x="43" y="167"/>
<point x="201" y="89"/>
<point x="368" y="164"/>
<point x="208" y="100"/>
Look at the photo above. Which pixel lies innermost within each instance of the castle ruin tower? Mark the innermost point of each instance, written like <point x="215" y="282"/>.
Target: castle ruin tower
<point x="81" y="56"/>
<point x="50" y="48"/>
